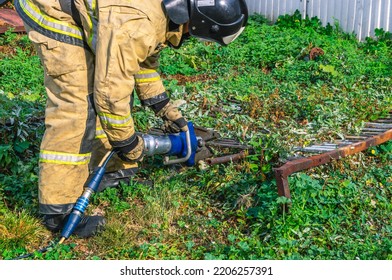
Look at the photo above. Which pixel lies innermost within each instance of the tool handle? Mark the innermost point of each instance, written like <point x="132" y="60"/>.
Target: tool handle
<point x="168" y="161"/>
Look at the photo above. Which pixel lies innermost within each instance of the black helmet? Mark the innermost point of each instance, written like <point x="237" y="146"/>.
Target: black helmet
<point x="213" y="20"/>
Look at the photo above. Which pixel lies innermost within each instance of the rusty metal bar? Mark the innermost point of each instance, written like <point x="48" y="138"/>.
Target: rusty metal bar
<point x="379" y="125"/>
<point x="224" y="159"/>
<point x="282" y="173"/>
<point x="10" y="19"/>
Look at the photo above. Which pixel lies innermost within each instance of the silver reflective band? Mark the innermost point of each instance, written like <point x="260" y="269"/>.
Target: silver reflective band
<point x="228" y="39"/>
<point x="205" y="3"/>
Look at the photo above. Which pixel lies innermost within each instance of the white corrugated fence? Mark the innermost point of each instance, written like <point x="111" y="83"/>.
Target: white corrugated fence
<point x="359" y="16"/>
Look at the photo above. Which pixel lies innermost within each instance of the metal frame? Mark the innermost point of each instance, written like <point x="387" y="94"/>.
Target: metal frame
<point x="12" y="20"/>
<point x="283" y="172"/>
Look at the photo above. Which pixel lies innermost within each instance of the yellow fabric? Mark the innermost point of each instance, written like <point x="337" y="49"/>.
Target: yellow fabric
<point x="64" y="153"/>
<point x="52" y="9"/>
<point x="148" y="87"/>
<point x="127" y="39"/>
<point x="100" y="147"/>
<point x="50" y="19"/>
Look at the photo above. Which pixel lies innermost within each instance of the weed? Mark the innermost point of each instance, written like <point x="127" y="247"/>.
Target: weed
<point x="17" y="231"/>
<point x="265" y="90"/>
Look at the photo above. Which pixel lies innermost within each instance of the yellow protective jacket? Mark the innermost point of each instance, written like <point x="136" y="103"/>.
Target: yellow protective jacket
<point x="126" y="37"/>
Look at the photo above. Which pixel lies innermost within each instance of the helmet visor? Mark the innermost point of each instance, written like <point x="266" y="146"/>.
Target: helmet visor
<point x="228" y="39"/>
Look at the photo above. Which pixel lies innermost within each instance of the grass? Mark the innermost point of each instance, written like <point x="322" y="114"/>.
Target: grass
<point x="264" y="90"/>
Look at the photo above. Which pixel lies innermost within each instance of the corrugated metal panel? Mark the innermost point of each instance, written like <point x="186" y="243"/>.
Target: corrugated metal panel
<point x="271" y="9"/>
<point x="359" y="16"/>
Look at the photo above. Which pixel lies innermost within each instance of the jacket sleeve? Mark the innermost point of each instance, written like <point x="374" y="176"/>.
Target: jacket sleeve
<point x="121" y="48"/>
<point x="148" y="83"/>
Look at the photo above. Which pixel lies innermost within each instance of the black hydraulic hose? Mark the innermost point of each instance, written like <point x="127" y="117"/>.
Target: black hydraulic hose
<point x="43" y="250"/>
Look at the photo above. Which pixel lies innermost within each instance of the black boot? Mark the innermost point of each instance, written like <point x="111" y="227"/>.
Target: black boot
<point x="113" y="179"/>
<point x="88" y="226"/>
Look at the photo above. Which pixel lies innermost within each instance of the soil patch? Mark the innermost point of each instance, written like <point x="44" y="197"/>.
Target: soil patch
<point x="183" y="79"/>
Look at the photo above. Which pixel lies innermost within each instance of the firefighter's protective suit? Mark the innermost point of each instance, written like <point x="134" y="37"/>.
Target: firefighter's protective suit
<point x="95" y="53"/>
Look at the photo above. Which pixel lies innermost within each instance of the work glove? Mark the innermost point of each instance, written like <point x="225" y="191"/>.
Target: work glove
<point x="133" y="152"/>
<point x="174" y="122"/>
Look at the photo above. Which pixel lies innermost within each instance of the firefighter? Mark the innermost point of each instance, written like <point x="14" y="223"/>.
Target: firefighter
<point x="95" y="53"/>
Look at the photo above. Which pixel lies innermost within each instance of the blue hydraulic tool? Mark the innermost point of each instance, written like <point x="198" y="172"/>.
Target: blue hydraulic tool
<point x="189" y="147"/>
<point x="182" y="145"/>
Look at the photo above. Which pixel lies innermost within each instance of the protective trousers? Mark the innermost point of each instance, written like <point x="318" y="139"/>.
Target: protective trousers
<point x="72" y="144"/>
<point x="85" y="82"/>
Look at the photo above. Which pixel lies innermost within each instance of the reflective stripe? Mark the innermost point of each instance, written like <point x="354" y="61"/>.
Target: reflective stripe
<point x="115" y="121"/>
<point x="91" y="6"/>
<point x="48" y="25"/>
<point x="64" y="158"/>
<point x="100" y="134"/>
<point x="147" y="76"/>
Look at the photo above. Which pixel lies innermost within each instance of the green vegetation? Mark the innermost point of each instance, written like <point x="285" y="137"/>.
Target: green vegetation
<point x="271" y="89"/>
